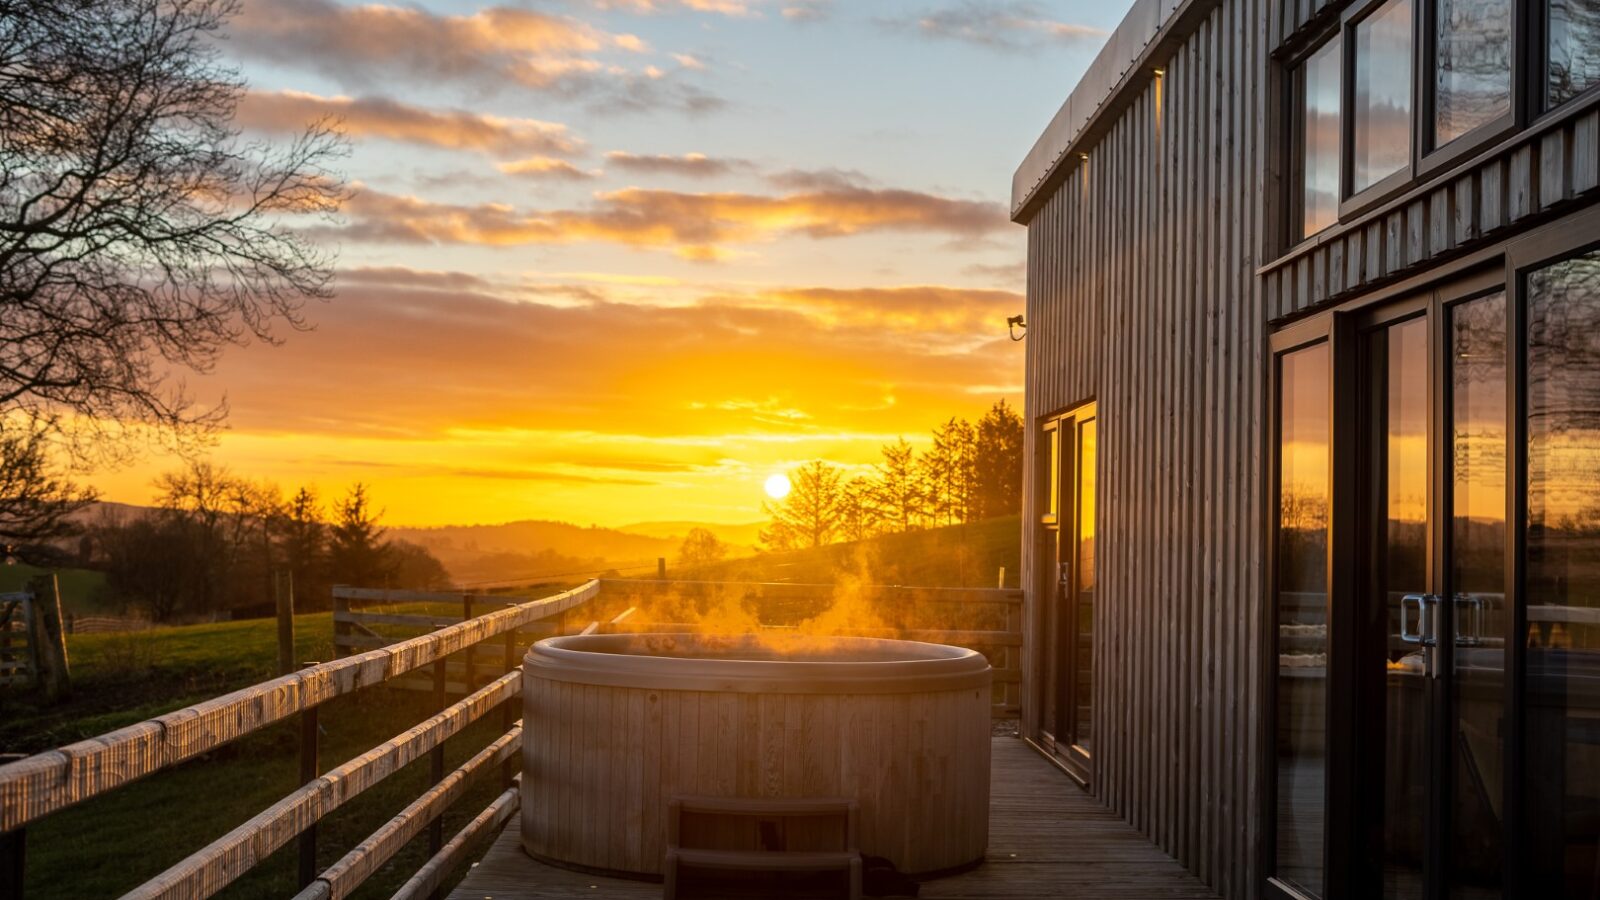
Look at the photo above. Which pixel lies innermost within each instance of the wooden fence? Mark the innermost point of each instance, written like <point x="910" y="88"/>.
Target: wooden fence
<point x="16" y="638"/>
<point x="369" y="626"/>
<point x="39" y="785"/>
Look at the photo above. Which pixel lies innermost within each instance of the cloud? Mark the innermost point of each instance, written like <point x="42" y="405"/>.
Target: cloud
<point x="690" y="165"/>
<point x="696" y="225"/>
<point x="808" y="11"/>
<point x="381" y="117"/>
<point x="1003" y="26"/>
<point x="371" y="45"/>
<point x="429" y="361"/>
<point x="651" y="7"/>
<point x="546" y="167"/>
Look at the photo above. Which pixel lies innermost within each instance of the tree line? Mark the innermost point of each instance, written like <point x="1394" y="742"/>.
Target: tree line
<point x="214" y="540"/>
<point x="972" y="471"/>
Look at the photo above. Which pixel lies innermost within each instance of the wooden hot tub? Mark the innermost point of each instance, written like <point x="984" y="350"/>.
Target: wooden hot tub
<point x="616" y="725"/>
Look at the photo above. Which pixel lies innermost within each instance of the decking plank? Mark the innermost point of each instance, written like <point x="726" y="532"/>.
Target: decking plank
<point x="1046" y="838"/>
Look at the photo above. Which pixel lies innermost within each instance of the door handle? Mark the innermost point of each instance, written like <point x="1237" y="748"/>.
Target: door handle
<point x="1423" y="635"/>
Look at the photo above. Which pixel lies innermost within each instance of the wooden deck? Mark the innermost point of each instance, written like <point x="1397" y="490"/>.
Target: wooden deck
<point x="1047" y="838"/>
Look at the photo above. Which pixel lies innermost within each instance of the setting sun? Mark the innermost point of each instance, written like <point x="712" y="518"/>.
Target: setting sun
<point x="778" y="486"/>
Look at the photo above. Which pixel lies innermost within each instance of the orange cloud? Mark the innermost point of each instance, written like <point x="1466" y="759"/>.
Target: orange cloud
<point x="545" y="167"/>
<point x="693" y="223"/>
<point x="373" y="44"/>
<point x="691" y="165"/>
<point x="380" y="117"/>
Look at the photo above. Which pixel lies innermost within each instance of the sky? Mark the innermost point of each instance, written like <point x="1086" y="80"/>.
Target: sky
<point x="612" y="261"/>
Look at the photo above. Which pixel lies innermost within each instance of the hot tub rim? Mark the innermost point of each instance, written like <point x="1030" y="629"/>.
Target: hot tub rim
<point x="946" y="668"/>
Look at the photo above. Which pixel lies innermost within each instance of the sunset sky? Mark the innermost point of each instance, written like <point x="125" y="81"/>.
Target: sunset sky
<point x="621" y="260"/>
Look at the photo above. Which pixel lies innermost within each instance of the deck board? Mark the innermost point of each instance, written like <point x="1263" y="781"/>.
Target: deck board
<point x="1047" y="838"/>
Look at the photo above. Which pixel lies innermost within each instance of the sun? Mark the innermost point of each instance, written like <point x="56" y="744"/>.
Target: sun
<point x="778" y="486"/>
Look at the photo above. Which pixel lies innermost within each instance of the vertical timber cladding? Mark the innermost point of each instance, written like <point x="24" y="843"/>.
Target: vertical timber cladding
<point x="1142" y="296"/>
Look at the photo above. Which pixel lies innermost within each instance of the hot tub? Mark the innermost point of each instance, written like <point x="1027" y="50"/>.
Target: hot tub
<point x="616" y="725"/>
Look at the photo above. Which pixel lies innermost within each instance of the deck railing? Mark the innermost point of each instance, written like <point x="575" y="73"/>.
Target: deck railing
<point x="459" y="659"/>
<point x="45" y="783"/>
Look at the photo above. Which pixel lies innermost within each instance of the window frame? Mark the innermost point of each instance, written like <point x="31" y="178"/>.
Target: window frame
<point x="1431" y="157"/>
<point x="1536" y="67"/>
<point x="1351" y="202"/>
<point x="1294" y="114"/>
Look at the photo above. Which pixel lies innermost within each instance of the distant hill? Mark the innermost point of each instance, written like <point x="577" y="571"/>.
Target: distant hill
<point x="747" y="535"/>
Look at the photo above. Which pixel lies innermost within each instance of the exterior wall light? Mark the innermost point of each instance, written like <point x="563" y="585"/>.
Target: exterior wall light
<point x="1013" y="323"/>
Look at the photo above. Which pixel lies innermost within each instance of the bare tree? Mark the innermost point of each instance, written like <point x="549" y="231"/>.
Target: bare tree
<point x="701" y="548"/>
<point x="809" y="516"/>
<point x="139" y="233"/>
<point x="37" y="502"/>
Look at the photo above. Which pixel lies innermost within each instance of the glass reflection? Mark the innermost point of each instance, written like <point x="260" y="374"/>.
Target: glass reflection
<point x="1086" y="576"/>
<point x="1562" y="780"/>
<point x="1472" y="68"/>
<point x="1404" y="570"/>
<point x="1382" y="101"/>
<point x="1320" y="140"/>
<point x="1302" y="614"/>
<point x="1573" y="63"/>
<point x="1477" y="581"/>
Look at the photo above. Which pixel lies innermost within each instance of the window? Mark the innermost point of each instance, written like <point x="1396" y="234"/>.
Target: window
<point x="1301" y="589"/>
<point x="1319" y="138"/>
<point x="1572" y="62"/>
<point x="1472" y="53"/>
<point x="1381" y="95"/>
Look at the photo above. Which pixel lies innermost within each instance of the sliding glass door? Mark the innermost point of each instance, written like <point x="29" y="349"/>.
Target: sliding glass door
<point x="1436" y="604"/>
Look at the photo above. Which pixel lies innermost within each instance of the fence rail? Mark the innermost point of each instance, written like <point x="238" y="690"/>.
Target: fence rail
<point x="452" y="651"/>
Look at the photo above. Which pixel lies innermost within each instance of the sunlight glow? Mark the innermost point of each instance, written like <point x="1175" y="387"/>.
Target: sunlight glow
<point x="777" y="486"/>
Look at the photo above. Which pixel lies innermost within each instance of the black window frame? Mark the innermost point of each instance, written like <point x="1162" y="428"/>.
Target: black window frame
<point x="1294" y="115"/>
<point x="1431" y="157"/>
<point x="1536" y="67"/>
<point x="1353" y="203"/>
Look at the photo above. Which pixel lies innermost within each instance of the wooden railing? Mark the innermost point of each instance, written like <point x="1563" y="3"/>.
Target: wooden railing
<point x="39" y="785"/>
<point x="453" y="652"/>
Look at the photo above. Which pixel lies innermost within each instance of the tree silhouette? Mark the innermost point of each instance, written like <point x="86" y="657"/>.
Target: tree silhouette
<point x="139" y="235"/>
<point x="809" y="516"/>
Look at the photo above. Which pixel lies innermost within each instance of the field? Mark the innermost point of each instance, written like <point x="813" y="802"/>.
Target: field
<point x="106" y="846"/>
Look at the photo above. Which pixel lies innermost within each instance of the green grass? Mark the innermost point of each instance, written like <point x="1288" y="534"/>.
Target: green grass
<point x="82" y="590"/>
<point x="112" y="843"/>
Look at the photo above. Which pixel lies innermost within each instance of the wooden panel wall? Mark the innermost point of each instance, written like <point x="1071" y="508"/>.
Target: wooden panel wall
<point x="1142" y="295"/>
<point x="1542" y="173"/>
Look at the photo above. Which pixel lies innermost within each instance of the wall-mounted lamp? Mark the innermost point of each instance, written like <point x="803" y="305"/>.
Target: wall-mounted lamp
<point x="1013" y="323"/>
<point x="1159" y="72"/>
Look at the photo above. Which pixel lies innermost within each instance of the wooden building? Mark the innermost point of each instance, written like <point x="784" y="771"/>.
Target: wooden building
<point x="1313" y="393"/>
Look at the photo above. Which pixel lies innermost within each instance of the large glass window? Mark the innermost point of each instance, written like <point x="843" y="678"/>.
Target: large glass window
<point x="1319" y="138"/>
<point x="1381" y="100"/>
<point x="1472" y="65"/>
<point x="1302" y="615"/>
<point x="1561" y="787"/>
<point x="1573" y="57"/>
<point x="1084" y="653"/>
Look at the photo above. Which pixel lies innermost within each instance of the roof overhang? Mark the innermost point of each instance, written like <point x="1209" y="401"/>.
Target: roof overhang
<point x="1147" y="32"/>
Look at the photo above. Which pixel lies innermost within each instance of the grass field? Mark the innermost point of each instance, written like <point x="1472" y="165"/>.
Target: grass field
<point x="108" y="845"/>
<point x="81" y="589"/>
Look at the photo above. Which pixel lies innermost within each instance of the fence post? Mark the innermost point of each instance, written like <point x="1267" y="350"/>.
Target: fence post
<point x="283" y="593"/>
<point x="436" y="763"/>
<point x="661" y="568"/>
<point x="13" y="850"/>
<point x="508" y="709"/>
<point x="466" y="616"/>
<point x="341" y="608"/>
<point x="13" y="853"/>
<point x="49" y="643"/>
<point x="310" y="768"/>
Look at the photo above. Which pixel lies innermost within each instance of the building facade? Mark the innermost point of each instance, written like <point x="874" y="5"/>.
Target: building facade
<point x="1313" y="393"/>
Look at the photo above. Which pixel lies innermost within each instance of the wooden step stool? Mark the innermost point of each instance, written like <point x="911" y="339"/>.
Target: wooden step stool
<point x="846" y="860"/>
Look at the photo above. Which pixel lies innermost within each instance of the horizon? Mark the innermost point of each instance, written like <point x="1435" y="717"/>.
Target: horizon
<point x="783" y="266"/>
